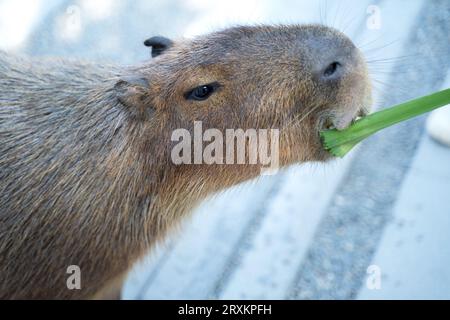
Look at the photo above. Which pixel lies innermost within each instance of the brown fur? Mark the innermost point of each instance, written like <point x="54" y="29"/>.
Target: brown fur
<point x="85" y="169"/>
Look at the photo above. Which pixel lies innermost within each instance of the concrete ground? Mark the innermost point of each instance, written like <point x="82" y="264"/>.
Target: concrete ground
<point x="312" y="231"/>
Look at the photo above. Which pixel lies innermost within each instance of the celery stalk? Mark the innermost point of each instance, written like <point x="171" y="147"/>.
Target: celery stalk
<point x="339" y="143"/>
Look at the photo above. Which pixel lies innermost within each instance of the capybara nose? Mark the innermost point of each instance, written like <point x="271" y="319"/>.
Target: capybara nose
<point x="336" y="67"/>
<point x="335" y="60"/>
<point x="333" y="70"/>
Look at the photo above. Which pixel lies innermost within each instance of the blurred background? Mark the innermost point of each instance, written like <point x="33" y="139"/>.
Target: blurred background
<point x="375" y="225"/>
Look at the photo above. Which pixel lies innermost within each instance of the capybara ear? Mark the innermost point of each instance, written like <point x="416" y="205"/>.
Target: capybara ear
<point x="133" y="92"/>
<point x="158" y="44"/>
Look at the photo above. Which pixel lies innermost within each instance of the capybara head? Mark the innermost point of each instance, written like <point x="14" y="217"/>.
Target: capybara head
<point x="298" y="79"/>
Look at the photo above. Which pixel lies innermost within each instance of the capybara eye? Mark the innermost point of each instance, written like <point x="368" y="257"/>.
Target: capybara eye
<point x="202" y="92"/>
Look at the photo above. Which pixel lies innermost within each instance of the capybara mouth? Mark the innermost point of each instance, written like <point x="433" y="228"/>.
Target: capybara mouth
<point x="341" y="122"/>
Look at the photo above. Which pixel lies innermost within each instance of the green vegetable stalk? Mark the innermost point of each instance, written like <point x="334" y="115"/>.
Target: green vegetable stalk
<point x="339" y="143"/>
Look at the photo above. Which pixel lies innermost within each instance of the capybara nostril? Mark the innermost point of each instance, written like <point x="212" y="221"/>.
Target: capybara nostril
<point x="332" y="69"/>
<point x="332" y="58"/>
